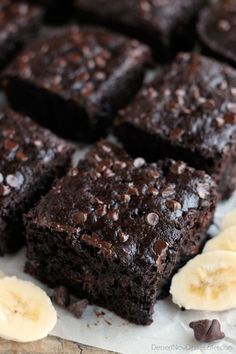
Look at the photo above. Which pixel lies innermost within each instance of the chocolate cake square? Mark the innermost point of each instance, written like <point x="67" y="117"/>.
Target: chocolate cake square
<point x="114" y="230"/>
<point x="31" y="158"/>
<point x="216" y="30"/>
<point x="168" y="26"/>
<point x="188" y="112"/>
<point x="74" y="81"/>
<point x="19" y="22"/>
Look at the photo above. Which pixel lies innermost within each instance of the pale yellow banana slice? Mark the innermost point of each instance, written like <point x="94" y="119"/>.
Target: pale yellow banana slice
<point x="26" y="312"/>
<point x="2" y="275"/>
<point x="207" y="282"/>
<point x="225" y="241"/>
<point x="229" y="220"/>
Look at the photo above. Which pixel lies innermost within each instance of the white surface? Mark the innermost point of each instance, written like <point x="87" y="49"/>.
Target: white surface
<point x="169" y="333"/>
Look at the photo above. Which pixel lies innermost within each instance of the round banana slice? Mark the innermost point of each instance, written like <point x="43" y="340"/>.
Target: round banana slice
<point x="207" y="282"/>
<point x="229" y="220"/>
<point x="225" y="241"/>
<point x="26" y="312"/>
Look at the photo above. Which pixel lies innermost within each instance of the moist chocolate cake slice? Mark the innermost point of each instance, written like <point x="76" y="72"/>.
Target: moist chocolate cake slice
<point x="31" y="158"/>
<point x="19" y="22"/>
<point x="114" y="230"/>
<point x="74" y="81"/>
<point x="168" y="26"/>
<point x="188" y="112"/>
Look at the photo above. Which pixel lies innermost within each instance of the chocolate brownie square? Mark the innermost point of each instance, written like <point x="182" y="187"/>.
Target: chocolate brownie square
<point x="31" y="158"/>
<point x="217" y="28"/>
<point x="188" y="112"/>
<point x="168" y="26"/>
<point x="18" y="23"/>
<point x="74" y="81"/>
<point x="114" y="230"/>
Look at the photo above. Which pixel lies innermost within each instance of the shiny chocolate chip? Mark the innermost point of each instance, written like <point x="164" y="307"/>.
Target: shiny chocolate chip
<point x="173" y="205"/>
<point x="160" y="246"/>
<point x="207" y="330"/>
<point x="61" y="296"/>
<point x="79" y="217"/>
<point x="152" y="219"/>
<point x="123" y="237"/>
<point x="77" y="308"/>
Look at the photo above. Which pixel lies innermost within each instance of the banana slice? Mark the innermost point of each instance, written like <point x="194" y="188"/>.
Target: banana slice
<point x="207" y="282"/>
<point x="2" y="275"/>
<point x="229" y="220"/>
<point x="26" y="312"/>
<point x="225" y="241"/>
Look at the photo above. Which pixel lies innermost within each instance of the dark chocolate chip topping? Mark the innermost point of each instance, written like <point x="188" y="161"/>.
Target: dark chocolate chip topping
<point x="75" y="62"/>
<point x="14" y="16"/>
<point x="130" y="215"/>
<point x="61" y="296"/>
<point x="26" y="150"/>
<point x="77" y="308"/>
<point x="207" y="330"/>
<point x="192" y="96"/>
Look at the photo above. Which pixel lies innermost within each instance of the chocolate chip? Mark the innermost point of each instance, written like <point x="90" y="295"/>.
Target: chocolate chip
<point x="4" y="190"/>
<point x="15" y="181"/>
<point x="61" y="296"/>
<point x="97" y="201"/>
<point x="21" y="156"/>
<point x="79" y="217"/>
<point x="203" y="190"/>
<point x="125" y="198"/>
<point x="233" y="91"/>
<point x="123" y="237"/>
<point x="38" y="143"/>
<point x="133" y="191"/>
<point x="78" y="308"/>
<point x="207" y="330"/>
<point x="230" y="119"/>
<point x="101" y="210"/>
<point x="219" y="122"/>
<point x="104" y="165"/>
<point x="224" y="25"/>
<point x="178" y="167"/>
<point x="167" y="191"/>
<point x="139" y="162"/>
<point x="106" y="148"/>
<point x="10" y="145"/>
<point x="176" y="134"/>
<point x="231" y="107"/>
<point x="152" y="219"/>
<point x="113" y="215"/>
<point x="160" y="246"/>
<point x="173" y="205"/>
<point x="86" y="238"/>
<point x="153" y="174"/>
<point x="108" y="173"/>
<point x="153" y="191"/>
<point x="119" y="165"/>
<point x="73" y="172"/>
